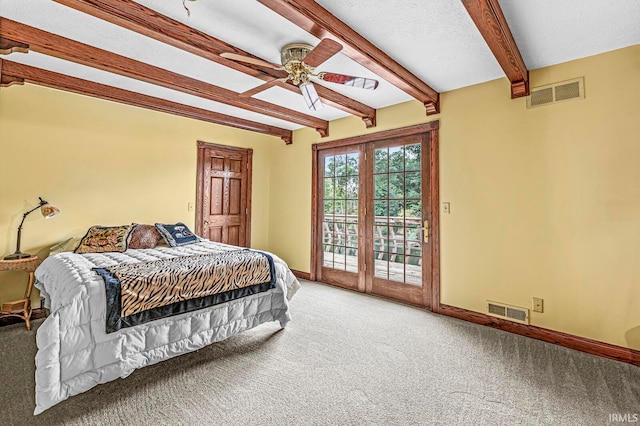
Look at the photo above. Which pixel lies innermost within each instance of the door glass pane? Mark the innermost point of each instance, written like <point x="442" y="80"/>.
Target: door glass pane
<point x="381" y="237"/>
<point x="351" y="253"/>
<point x="381" y="157"/>
<point x="381" y="186"/>
<point x="396" y="209"/>
<point x="396" y="185"/>
<point x="352" y="164"/>
<point x="381" y="208"/>
<point x="329" y="191"/>
<point x="412" y="185"/>
<point x="341" y="187"/>
<point x="341" y="165"/>
<point x="381" y="266"/>
<point x="352" y="188"/>
<point x="413" y="268"/>
<point x="340" y="216"/>
<point x="329" y="206"/>
<point x="396" y="159"/>
<point x="412" y="210"/>
<point x="352" y="208"/>
<point x="397" y="205"/>
<point x="412" y="156"/>
<point x="329" y="166"/>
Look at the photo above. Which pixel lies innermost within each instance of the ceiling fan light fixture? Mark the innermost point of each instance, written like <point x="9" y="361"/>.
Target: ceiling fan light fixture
<point x="310" y="96"/>
<point x="299" y="72"/>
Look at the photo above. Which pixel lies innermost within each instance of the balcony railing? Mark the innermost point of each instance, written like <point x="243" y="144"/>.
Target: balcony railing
<point x="394" y="237"/>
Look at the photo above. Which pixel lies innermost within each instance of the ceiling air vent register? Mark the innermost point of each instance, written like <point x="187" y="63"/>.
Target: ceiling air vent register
<point x="556" y="92"/>
<point x="511" y="313"/>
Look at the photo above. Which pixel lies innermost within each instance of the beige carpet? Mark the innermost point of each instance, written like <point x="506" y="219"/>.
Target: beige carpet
<point x="345" y="359"/>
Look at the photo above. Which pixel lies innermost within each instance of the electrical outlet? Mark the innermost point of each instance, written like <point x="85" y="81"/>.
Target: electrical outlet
<point x="446" y="208"/>
<point x="538" y="304"/>
<point x="190" y="206"/>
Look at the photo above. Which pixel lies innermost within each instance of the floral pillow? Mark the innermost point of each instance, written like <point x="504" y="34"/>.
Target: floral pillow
<point x="104" y="239"/>
<point x="144" y="237"/>
<point x="176" y="235"/>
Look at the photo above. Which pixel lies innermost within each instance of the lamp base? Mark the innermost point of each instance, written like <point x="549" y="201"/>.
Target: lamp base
<point x="17" y="255"/>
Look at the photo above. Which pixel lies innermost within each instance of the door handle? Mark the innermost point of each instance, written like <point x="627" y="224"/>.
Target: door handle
<point x="206" y="222"/>
<point x="425" y="231"/>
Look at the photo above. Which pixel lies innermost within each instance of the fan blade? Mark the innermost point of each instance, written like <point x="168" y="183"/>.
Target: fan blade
<point x="310" y="96"/>
<point x="348" y="80"/>
<point x="323" y="51"/>
<point x="250" y="60"/>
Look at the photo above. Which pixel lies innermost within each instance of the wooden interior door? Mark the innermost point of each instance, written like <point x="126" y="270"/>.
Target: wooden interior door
<point x="224" y="191"/>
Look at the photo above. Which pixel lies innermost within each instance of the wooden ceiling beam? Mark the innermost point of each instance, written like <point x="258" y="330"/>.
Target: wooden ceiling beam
<point x="488" y="17"/>
<point x="10" y="46"/>
<point x="138" y="18"/>
<point x="318" y="21"/>
<point x="7" y="78"/>
<point x="71" y="50"/>
<point x="12" y="72"/>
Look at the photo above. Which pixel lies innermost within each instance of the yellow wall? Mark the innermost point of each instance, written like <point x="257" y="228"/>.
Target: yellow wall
<point x="103" y="163"/>
<point x="544" y="202"/>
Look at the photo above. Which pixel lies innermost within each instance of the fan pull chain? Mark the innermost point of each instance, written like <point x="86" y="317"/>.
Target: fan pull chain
<point x="186" y="8"/>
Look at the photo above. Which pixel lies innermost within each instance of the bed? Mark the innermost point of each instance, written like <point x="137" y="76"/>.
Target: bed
<point x="75" y="351"/>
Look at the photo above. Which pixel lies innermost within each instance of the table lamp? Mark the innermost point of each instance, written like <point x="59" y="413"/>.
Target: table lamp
<point x="47" y="211"/>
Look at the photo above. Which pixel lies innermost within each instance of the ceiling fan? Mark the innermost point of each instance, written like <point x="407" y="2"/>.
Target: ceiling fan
<point x="299" y="61"/>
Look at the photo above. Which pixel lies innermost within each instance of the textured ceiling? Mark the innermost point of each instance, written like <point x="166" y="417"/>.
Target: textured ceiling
<point x="550" y="32"/>
<point x="435" y="40"/>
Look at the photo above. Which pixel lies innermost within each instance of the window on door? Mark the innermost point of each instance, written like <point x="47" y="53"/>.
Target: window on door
<point x="340" y="217"/>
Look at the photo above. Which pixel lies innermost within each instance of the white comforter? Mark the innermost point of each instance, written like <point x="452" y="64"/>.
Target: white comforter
<point x="74" y="351"/>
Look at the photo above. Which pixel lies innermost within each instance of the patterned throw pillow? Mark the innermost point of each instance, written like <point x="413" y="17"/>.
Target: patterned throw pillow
<point x="144" y="237"/>
<point x="104" y="239"/>
<point x="176" y="235"/>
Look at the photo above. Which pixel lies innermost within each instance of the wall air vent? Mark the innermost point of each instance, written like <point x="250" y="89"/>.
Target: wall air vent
<point x="511" y="313"/>
<point x="556" y="92"/>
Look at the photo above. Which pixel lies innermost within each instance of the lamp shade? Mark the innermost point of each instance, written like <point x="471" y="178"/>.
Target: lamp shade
<point x="49" y="211"/>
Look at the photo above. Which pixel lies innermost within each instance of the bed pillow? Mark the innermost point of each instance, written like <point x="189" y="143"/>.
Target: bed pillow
<point x="104" y="239"/>
<point x="144" y="237"/>
<point x="177" y="234"/>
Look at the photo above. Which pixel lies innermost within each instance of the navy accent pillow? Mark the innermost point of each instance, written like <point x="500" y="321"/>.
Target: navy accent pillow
<point x="176" y="235"/>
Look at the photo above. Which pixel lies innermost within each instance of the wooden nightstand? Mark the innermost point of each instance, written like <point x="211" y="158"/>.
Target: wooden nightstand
<point x="20" y="308"/>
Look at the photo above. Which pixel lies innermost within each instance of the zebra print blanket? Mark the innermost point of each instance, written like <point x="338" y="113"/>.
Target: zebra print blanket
<point x="141" y="292"/>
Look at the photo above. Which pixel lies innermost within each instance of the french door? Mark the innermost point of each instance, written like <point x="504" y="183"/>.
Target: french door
<point x="376" y="203"/>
